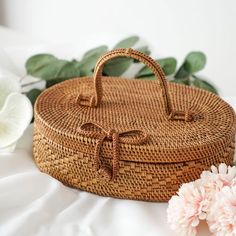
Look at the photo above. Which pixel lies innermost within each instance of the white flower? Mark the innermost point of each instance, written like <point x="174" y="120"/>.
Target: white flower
<point x="187" y="208"/>
<point x="15" y="112"/>
<point x="222" y="218"/>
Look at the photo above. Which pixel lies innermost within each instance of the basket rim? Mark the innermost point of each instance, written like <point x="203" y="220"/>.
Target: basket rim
<point x="168" y="153"/>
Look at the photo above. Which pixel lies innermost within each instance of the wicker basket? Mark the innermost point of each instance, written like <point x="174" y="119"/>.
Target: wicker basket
<point x="127" y="138"/>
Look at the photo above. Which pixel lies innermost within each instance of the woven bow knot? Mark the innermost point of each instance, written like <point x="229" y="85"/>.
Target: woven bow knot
<point x="92" y="130"/>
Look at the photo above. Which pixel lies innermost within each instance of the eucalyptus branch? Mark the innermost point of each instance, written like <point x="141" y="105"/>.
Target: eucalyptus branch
<point x="22" y="78"/>
<point x="52" y="70"/>
<point x="30" y="83"/>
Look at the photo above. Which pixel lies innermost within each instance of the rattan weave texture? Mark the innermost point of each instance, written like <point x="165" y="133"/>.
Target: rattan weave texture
<point x="129" y="138"/>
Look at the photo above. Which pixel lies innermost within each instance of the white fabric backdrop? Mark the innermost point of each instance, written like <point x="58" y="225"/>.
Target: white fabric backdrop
<point x="170" y="27"/>
<point x="35" y="204"/>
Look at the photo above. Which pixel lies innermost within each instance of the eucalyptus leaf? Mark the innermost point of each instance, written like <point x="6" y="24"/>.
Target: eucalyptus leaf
<point x="185" y="81"/>
<point x="167" y="64"/>
<point x="117" y="66"/>
<point x="48" y="67"/>
<point x="203" y="84"/>
<point x="144" y="72"/>
<point x="149" y="77"/>
<point x="37" y="62"/>
<point x="98" y="50"/>
<point x="53" y="70"/>
<point x="194" y="62"/>
<point x="144" y="50"/>
<point x="52" y="82"/>
<point x="50" y="70"/>
<point x="127" y="43"/>
<point x="33" y="94"/>
<point x="182" y="73"/>
<point x="70" y="69"/>
<point x="86" y="72"/>
<point x="90" y="58"/>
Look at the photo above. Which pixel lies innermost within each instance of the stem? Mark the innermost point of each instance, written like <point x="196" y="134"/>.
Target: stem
<point x="30" y="83"/>
<point x="22" y="78"/>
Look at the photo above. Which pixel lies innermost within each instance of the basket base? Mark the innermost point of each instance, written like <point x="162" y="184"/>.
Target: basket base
<point x="136" y="181"/>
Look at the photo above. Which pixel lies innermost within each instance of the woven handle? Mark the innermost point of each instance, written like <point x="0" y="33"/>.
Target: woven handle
<point x="95" y="100"/>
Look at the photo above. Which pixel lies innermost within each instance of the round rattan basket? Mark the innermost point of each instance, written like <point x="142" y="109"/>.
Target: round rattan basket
<point x="127" y="138"/>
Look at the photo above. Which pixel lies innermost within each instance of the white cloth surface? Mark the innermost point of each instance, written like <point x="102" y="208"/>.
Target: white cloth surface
<point x="35" y="204"/>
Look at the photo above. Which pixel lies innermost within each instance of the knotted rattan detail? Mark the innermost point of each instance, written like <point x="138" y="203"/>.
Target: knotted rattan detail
<point x="134" y="137"/>
<point x="129" y="138"/>
<point x="95" y="100"/>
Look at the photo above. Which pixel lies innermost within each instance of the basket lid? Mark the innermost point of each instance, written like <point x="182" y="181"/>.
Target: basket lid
<point x="155" y="121"/>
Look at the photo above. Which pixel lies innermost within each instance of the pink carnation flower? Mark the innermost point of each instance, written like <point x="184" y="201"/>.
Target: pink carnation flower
<point x="213" y="181"/>
<point x="211" y="198"/>
<point x="187" y="209"/>
<point x="222" y="217"/>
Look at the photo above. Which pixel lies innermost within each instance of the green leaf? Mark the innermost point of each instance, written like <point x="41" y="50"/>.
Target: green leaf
<point x="149" y="77"/>
<point x="70" y="69"/>
<point x="86" y="73"/>
<point x="90" y="58"/>
<point x="194" y="62"/>
<point x="144" y="50"/>
<point x="127" y="43"/>
<point x="48" y="67"/>
<point x="37" y="62"/>
<point x="49" y="71"/>
<point x="33" y="94"/>
<point x="52" y="82"/>
<point x="167" y="64"/>
<point x="117" y="66"/>
<point x="185" y="81"/>
<point x="98" y="50"/>
<point x="144" y="72"/>
<point x="181" y="73"/>
<point x="55" y="70"/>
<point x="203" y="84"/>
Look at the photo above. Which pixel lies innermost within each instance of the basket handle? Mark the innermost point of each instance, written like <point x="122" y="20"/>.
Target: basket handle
<point x="95" y="100"/>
